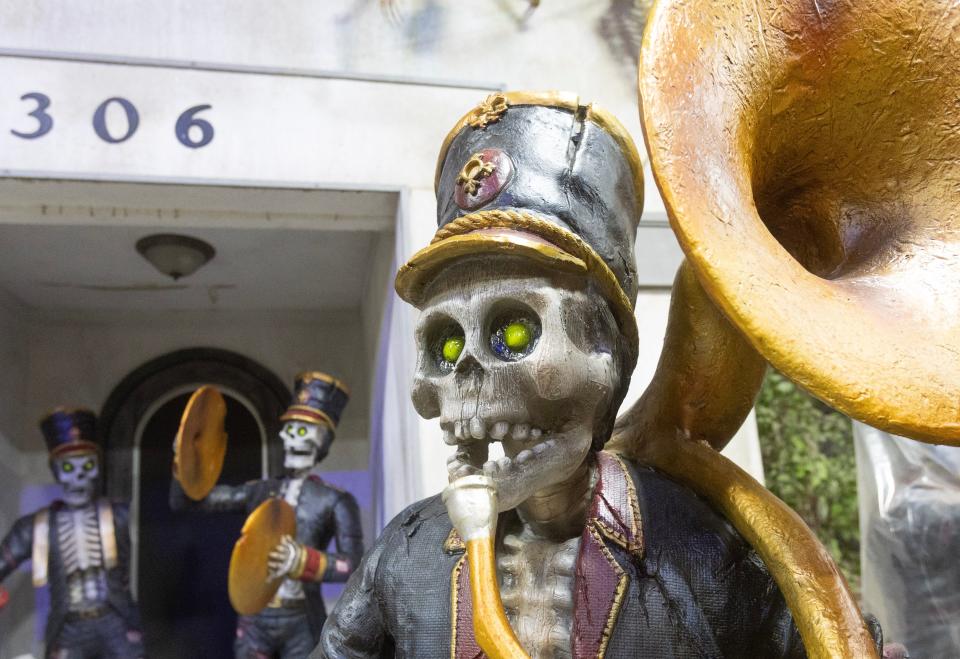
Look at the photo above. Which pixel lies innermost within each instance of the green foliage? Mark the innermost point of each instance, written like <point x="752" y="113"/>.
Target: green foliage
<point x="809" y="462"/>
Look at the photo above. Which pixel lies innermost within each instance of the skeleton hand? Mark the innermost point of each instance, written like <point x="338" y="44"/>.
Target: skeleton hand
<point x="284" y="558"/>
<point x="291" y="559"/>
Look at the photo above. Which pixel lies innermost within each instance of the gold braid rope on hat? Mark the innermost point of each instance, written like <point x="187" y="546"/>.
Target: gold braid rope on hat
<point x="560" y="237"/>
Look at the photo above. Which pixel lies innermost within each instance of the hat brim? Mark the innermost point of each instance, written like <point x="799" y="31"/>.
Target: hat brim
<point x="414" y="277"/>
<point x="307" y="415"/>
<point x="515" y="233"/>
<point x="74" y="448"/>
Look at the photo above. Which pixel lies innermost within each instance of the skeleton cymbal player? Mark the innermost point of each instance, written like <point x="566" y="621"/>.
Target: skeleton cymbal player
<point x="527" y="337"/>
<point x="80" y="547"/>
<point x="290" y="624"/>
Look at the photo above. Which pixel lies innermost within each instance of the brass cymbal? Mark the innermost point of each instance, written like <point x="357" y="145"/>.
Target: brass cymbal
<point x="201" y="443"/>
<point x="249" y="583"/>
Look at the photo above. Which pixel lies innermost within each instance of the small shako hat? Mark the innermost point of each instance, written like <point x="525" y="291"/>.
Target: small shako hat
<point x="317" y="398"/>
<point x="68" y="431"/>
<point x="539" y="175"/>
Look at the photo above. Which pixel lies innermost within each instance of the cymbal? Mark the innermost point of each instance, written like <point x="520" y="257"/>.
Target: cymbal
<point x="250" y="586"/>
<point x="201" y="443"/>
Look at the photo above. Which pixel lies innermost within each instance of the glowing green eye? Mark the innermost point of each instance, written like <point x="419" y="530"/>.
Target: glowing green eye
<point x="68" y="466"/>
<point x="88" y="465"/>
<point x="516" y="336"/>
<point x="302" y="431"/>
<point x="452" y="347"/>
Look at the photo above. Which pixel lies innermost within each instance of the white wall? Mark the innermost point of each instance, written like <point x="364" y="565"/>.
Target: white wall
<point x="78" y="358"/>
<point x="579" y="45"/>
<point x="18" y="467"/>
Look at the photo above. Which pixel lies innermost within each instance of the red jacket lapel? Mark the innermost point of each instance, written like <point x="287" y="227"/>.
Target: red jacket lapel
<point x="600" y="581"/>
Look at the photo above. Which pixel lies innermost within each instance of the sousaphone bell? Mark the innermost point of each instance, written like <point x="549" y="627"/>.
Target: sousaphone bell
<point x="807" y="158"/>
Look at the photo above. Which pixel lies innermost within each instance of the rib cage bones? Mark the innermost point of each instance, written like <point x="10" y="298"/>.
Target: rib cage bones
<point x="78" y="533"/>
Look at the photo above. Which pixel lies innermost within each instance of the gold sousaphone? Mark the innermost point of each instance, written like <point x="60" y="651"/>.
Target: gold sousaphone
<point x="807" y="155"/>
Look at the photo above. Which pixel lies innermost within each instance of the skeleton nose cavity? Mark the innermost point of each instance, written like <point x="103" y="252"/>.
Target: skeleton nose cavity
<point x="468" y="366"/>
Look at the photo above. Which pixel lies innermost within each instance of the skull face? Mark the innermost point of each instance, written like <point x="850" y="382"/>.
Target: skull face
<point x="511" y="355"/>
<point x="78" y="475"/>
<point x="304" y="444"/>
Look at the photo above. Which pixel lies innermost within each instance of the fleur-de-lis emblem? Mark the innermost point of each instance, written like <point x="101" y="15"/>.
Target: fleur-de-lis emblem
<point x="489" y="111"/>
<point x="303" y="396"/>
<point x="475" y="169"/>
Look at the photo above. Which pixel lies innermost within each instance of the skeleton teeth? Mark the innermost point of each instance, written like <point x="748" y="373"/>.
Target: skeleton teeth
<point x="478" y="429"/>
<point x="494" y="467"/>
<point x="499" y="430"/>
<point x="520" y="431"/>
<point x="466" y="470"/>
<point x="523" y="456"/>
<point x="458" y="429"/>
<point x="540" y="448"/>
<point x="535" y="433"/>
<point x="448" y="437"/>
<point x="456" y="468"/>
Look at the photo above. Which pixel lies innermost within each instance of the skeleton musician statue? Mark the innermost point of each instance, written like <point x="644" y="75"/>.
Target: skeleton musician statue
<point x="807" y="157"/>
<point x="80" y="547"/>
<point x="280" y="560"/>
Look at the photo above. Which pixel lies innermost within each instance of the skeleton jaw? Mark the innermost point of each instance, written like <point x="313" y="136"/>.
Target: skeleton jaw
<point x="533" y="458"/>
<point x="300" y="459"/>
<point x="78" y="496"/>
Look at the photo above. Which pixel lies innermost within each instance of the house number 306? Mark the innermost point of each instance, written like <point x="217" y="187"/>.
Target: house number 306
<point x="191" y="130"/>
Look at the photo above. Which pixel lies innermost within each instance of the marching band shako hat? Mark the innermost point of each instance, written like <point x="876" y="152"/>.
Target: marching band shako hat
<point x="536" y="174"/>
<point x="317" y="398"/>
<point x="69" y="431"/>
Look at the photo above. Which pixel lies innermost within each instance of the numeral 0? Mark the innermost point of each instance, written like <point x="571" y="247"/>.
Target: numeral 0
<point x="100" y="120"/>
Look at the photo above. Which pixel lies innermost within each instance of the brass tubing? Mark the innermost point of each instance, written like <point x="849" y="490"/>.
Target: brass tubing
<point x="816" y="593"/>
<point x="471" y="502"/>
<point x="494" y="634"/>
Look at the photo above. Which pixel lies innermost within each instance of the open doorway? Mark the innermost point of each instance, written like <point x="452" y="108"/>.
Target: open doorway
<point x="180" y="560"/>
<point x="300" y="281"/>
<point x="183" y="557"/>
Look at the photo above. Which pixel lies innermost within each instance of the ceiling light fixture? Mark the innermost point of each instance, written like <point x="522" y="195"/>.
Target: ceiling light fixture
<point x="175" y="255"/>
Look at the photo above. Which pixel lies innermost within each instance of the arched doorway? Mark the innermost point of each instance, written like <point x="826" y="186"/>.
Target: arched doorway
<point x="180" y="559"/>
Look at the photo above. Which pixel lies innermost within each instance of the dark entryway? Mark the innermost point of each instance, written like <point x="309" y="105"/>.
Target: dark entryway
<point x="183" y="557"/>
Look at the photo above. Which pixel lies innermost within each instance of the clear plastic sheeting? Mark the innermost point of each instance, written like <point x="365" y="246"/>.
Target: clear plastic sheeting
<point x="910" y="540"/>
